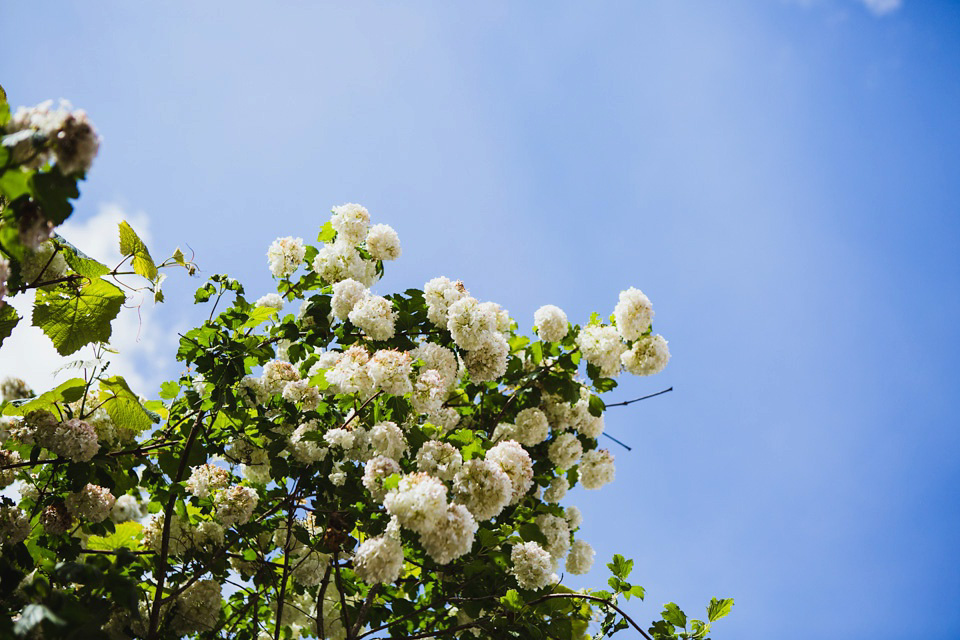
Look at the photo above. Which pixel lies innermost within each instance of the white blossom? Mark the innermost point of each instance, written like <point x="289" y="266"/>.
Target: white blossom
<point x="573" y="517"/>
<point x="126" y="508"/>
<point x="235" y="505"/>
<point x="285" y="255"/>
<point x="206" y="478"/>
<point x="302" y="393"/>
<point x="429" y="392"/>
<point x="531" y="427"/>
<point x="349" y="374"/>
<point x="92" y="503"/>
<point x="14" y="525"/>
<point x="452" y="536"/>
<point x="489" y="360"/>
<point x="633" y="313"/>
<point x="557" y="533"/>
<point x="483" y="487"/>
<point x="580" y="559"/>
<point x="602" y="347"/>
<point x="303" y="450"/>
<point x="350" y="222"/>
<point x="557" y="489"/>
<point x="390" y="371"/>
<point x="439" y="294"/>
<point x="197" y="608"/>
<point x="387" y="440"/>
<point x="551" y="323"/>
<point x="532" y="565"/>
<point x="418" y="502"/>
<point x="383" y="242"/>
<point x="375" y="316"/>
<point x="470" y="323"/>
<point x="649" y="355"/>
<point x="440" y="459"/>
<point x="346" y="294"/>
<point x="516" y="463"/>
<point x="270" y="301"/>
<point x="375" y="472"/>
<point x="340" y="437"/>
<point x="340" y="261"/>
<point x="596" y="469"/>
<point x="438" y="358"/>
<point x="378" y="560"/>
<point x="276" y="375"/>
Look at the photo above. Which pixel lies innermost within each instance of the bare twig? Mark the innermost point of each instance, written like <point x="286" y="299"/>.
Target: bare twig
<point x="629" y="402"/>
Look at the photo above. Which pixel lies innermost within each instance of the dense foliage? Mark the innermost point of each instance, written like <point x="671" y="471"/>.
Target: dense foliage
<point x="361" y="466"/>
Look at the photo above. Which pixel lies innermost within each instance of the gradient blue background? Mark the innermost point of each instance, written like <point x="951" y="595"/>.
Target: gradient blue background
<point x="781" y="178"/>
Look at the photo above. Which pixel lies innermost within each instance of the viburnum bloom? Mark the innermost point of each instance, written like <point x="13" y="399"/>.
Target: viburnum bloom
<point x="580" y="559"/>
<point x="633" y="313"/>
<point x="602" y="347"/>
<point x="596" y="469"/>
<point x="649" y="355"/>
<point x="483" y="487"/>
<point x="378" y="560"/>
<point x="383" y="242"/>
<point x="551" y="323"/>
<point x="285" y="256"/>
<point x="532" y="565"/>
<point x="516" y="463"/>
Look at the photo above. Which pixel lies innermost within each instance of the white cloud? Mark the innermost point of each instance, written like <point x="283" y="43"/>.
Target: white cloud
<point x="882" y="7"/>
<point x="137" y="334"/>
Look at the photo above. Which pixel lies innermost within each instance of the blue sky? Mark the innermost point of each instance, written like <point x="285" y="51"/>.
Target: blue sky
<point x="779" y="177"/>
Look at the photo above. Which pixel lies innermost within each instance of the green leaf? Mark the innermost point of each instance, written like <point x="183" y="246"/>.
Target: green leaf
<point x="719" y="608"/>
<point x="81" y="262"/>
<point x="531" y="533"/>
<point x="511" y="600"/>
<point x="73" y="319"/>
<point x="327" y="233"/>
<point x="596" y="406"/>
<point x="636" y="591"/>
<point x="125" y="535"/>
<point x="123" y="406"/>
<point x="673" y="615"/>
<point x="68" y="391"/>
<point x="54" y="192"/>
<point x="14" y="183"/>
<point x="259" y="315"/>
<point x="621" y="567"/>
<point x="132" y="245"/>
<point x="8" y="320"/>
<point x="169" y="390"/>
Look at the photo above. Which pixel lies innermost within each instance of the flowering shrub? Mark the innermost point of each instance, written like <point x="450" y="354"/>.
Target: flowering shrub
<point x="362" y="466"/>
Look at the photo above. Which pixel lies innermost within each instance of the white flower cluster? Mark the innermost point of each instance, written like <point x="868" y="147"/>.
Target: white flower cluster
<point x="483" y="487"/>
<point x="649" y="355"/>
<point x="532" y="566"/>
<point x="342" y="260"/>
<point x="346" y="294"/>
<point x="516" y="463"/>
<point x="530" y="428"/>
<point x="390" y="371"/>
<point x="14" y="525"/>
<point x="125" y="509"/>
<point x="580" y="559"/>
<point x="270" y="301"/>
<point x="276" y="375"/>
<point x="7" y="459"/>
<point x="206" y="478"/>
<point x="551" y="323"/>
<point x="439" y="459"/>
<point x="235" y="505"/>
<point x="633" y="313"/>
<point x="375" y="472"/>
<point x="383" y="242"/>
<point x="285" y="256"/>
<point x="565" y="450"/>
<point x="439" y="294"/>
<point x="303" y="450"/>
<point x="378" y="560"/>
<point x="596" y="469"/>
<point x="73" y="439"/>
<point x="197" y="608"/>
<point x="375" y="316"/>
<point x="64" y="134"/>
<point x="602" y="347"/>
<point x="92" y="503"/>
<point x="183" y="537"/>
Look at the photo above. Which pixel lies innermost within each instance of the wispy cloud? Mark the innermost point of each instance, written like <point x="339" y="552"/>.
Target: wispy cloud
<point x="882" y="7"/>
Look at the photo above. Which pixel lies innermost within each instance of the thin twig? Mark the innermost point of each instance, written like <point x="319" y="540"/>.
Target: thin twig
<point x="628" y="402"/>
<point x="550" y="596"/>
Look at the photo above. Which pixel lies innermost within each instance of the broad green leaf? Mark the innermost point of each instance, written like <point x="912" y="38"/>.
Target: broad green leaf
<point x="259" y="315"/>
<point x="178" y="257"/>
<point x="125" y="535"/>
<point x="81" y="262"/>
<point x="132" y="245"/>
<point x="14" y="183"/>
<point x="73" y="319"/>
<point x="8" y="320"/>
<point x="596" y="406"/>
<point x="68" y="391"/>
<point x="123" y="405"/>
<point x="719" y="608"/>
<point x="54" y="192"/>
<point x="620" y="567"/>
<point x="673" y="615"/>
<point x="511" y="600"/>
<point x="327" y="233"/>
<point x="169" y="390"/>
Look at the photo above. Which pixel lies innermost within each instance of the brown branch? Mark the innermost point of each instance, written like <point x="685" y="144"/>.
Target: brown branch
<point x="343" y="598"/>
<point x="161" y="572"/>
<point x="371" y="594"/>
<point x="551" y="596"/>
